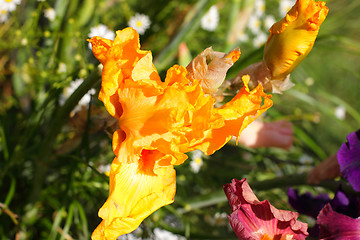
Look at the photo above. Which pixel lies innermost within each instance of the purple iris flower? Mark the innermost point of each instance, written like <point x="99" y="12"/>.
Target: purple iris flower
<point x="311" y="205"/>
<point x="349" y="159"/>
<point x="307" y="203"/>
<point x="345" y="204"/>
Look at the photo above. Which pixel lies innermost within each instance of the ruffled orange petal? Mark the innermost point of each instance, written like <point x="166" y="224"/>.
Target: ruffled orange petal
<point x="292" y="38"/>
<point x="136" y="190"/>
<point x="237" y="114"/>
<point x="119" y="58"/>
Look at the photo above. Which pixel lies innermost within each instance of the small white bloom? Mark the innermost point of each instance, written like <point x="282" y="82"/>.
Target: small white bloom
<point x="259" y="7"/>
<point x="210" y="20"/>
<point x="242" y="37"/>
<point x="104" y="168"/>
<point x="9" y="5"/>
<point x="254" y="24"/>
<point x="340" y="112"/>
<point x="306" y="159"/>
<point x="307" y="163"/>
<point x="260" y="39"/>
<point x="62" y="68"/>
<point x="161" y="234"/>
<point x="24" y="41"/>
<point x="309" y="81"/>
<point x="4" y="16"/>
<point x="50" y="14"/>
<point x="269" y="21"/>
<point x="140" y="22"/>
<point x="68" y="91"/>
<point x="196" y="161"/>
<point x="101" y="31"/>
<point x="285" y="6"/>
<point x="219" y="219"/>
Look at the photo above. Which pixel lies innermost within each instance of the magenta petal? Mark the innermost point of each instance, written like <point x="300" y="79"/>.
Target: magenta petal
<point x="335" y="225"/>
<point x="349" y="159"/>
<point x="252" y="219"/>
<point x="239" y="192"/>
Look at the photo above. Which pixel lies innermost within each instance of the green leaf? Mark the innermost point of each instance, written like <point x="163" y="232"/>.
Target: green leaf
<point x="11" y="192"/>
<point x="56" y="224"/>
<point x="68" y="222"/>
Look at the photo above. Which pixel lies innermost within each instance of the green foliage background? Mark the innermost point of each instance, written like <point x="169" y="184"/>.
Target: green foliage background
<point x="49" y="180"/>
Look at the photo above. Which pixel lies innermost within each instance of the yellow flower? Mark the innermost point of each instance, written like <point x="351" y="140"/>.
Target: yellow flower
<point x="292" y="38"/>
<point x="290" y="41"/>
<point x="136" y="190"/>
<point x="159" y="121"/>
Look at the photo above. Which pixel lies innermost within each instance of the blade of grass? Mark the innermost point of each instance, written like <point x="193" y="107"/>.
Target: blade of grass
<point x="11" y="192"/>
<point x="68" y="222"/>
<point x="310" y="142"/>
<point x="84" y="223"/>
<point x="3" y="142"/>
<point x="338" y="101"/>
<point x="56" y="224"/>
<point x="191" y="23"/>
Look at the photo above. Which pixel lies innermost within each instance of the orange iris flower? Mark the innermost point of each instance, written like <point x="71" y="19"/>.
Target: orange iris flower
<point x="159" y="121"/>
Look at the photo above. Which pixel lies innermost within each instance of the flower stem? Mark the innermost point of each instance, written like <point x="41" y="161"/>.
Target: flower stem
<point x="60" y="116"/>
<point x="277" y="182"/>
<point x="7" y="211"/>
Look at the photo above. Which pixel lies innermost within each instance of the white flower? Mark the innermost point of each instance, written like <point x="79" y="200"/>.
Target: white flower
<point x="68" y="91"/>
<point x="285" y="6"/>
<point x="24" y="41"/>
<point x="196" y="160"/>
<point x="62" y="68"/>
<point x="4" y="16"/>
<point x="140" y="22"/>
<point x="259" y="7"/>
<point x="307" y="163"/>
<point x="9" y="5"/>
<point x="104" y="168"/>
<point x="340" y="112"/>
<point x="219" y="219"/>
<point x="269" y="21"/>
<point x="306" y="159"/>
<point x="242" y="37"/>
<point x="260" y="39"/>
<point x="101" y="31"/>
<point x="254" y="24"/>
<point x="161" y="234"/>
<point x="210" y="20"/>
<point x="309" y="81"/>
<point x="50" y="14"/>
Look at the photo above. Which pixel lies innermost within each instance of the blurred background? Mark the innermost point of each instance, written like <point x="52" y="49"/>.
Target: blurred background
<point x="55" y="135"/>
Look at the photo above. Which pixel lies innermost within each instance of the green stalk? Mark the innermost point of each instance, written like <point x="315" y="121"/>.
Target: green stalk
<point x="234" y="11"/>
<point x="191" y="23"/>
<point x="59" y="118"/>
<point x="7" y="211"/>
<point x="278" y="182"/>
